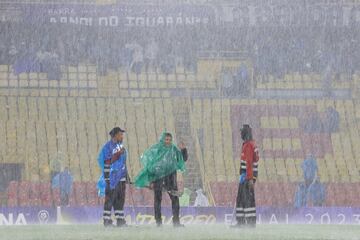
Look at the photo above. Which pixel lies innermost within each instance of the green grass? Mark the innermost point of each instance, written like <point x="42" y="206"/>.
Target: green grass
<point x="215" y="232"/>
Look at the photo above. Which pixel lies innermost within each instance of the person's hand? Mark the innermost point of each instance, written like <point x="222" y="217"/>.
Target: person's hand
<point x="182" y="146"/>
<point x="242" y="178"/>
<point x="122" y="150"/>
<point x="151" y="186"/>
<point x="117" y="155"/>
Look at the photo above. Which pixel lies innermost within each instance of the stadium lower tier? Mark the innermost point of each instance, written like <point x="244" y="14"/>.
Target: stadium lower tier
<point x="43" y="134"/>
<point x="267" y="194"/>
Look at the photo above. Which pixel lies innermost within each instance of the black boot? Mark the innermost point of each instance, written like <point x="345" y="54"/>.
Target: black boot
<point x="121" y="223"/>
<point x="108" y="223"/>
<point x="251" y="222"/>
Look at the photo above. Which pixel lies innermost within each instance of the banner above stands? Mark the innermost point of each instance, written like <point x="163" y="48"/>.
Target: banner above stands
<point x="188" y="215"/>
<point x="120" y="15"/>
<point x="244" y="14"/>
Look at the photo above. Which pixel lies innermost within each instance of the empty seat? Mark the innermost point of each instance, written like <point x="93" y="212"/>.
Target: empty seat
<point x="12" y="194"/>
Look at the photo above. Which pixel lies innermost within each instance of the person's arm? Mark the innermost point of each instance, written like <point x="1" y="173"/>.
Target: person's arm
<point x="107" y="164"/>
<point x="242" y="161"/>
<point x="116" y="155"/>
<point x="255" y="164"/>
<point x="184" y="153"/>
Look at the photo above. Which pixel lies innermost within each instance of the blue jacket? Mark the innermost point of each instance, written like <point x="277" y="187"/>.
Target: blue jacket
<point x="118" y="170"/>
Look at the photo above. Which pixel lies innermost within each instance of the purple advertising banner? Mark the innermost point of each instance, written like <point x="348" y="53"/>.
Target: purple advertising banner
<point x="189" y="215"/>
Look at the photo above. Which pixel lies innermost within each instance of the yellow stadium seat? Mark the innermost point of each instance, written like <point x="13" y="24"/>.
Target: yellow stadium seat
<point x="217" y="138"/>
<point x="291" y="169"/>
<point x="3" y="140"/>
<point x="152" y="77"/>
<point x="82" y="69"/>
<point x="281" y="169"/>
<point x="13" y="108"/>
<point x="131" y="137"/>
<point x="71" y="107"/>
<point x="11" y="137"/>
<point x="4" y="68"/>
<point x="42" y="151"/>
<point x="169" y="116"/>
<point x="208" y="141"/>
<point x="52" y="109"/>
<point x="51" y="137"/>
<point x="31" y="149"/>
<point x="231" y="171"/>
<point x="150" y="121"/>
<point x="270" y="169"/>
<point x="93" y="148"/>
<point x="171" y="77"/>
<point x="3" y="109"/>
<point x="81" y="109"/>
<point x="159" y="116"/>
<point x="101" y="109"/>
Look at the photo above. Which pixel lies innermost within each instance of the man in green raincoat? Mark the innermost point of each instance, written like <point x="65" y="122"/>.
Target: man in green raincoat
<point x="160" y="163"/>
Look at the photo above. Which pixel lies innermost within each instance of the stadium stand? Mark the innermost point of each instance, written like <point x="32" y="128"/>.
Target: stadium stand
<point x="68" y="119"/>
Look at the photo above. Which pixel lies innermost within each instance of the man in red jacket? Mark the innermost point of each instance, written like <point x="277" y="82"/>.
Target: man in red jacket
<point x="245" y="201"/>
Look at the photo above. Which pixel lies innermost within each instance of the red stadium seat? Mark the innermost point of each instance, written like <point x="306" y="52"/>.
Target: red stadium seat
<point x="45" y="195"/>
<point x="80" y="193"/>
<point x="35" y="194"/>
<point x="24" y="194"/>
<point x="12" y="194"/>
<point x="330" y="195"/>
<point x="56" y="196"/>
<point x="91" y="192"/>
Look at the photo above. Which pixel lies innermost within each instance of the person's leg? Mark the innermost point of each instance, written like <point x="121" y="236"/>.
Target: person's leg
<point x="62" y="199"/>
<point x="157" y="201"/>
<point x="107" y="206"/>
<point x="66" y="199"/>
<point x="250" y="210"/>
<point x="119" y="201"/>
<point x="240" y="215"/>
<point x="175" y="205"/>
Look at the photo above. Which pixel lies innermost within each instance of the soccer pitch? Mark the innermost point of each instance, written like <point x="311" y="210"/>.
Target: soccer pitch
<point x="215" y="232"/>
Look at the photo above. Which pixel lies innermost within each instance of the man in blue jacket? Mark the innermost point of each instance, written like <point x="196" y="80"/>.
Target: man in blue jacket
<point x="115" y="175"/>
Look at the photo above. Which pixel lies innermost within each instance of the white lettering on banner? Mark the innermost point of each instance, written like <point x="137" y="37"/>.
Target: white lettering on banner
<point x="61" y="11"/>
<point x="342" y="216"/>
<point x="164" y="21"/>
<point x="72" y="20"/>
<point x="140" y="21"/>
<point x="169" y="21"/>
<point x="273" y="219"/>
<point x="114" y="21"/>
<point x="228" y="218"/>
<point x="310" y="217"/>
<point x="9" y="220"/>
<point x="160" y="21"/>
<point x="325" y="219"/>
<point x="357" y="218"/>
<point x="103" y="21"/>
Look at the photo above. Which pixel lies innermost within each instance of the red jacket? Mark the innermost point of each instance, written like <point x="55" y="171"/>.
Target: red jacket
<point x="249" y="160"/>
